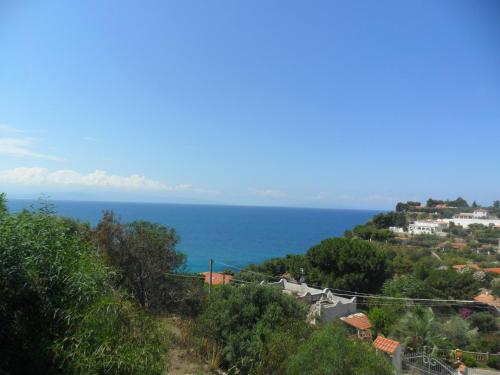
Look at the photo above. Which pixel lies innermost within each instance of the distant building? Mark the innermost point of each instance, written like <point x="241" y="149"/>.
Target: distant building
<point x="397" y="230"/>
<point x="466" y="267"/>
<point x="486" y="298"/>
<point x="441" y="206"/>
<point x="465" y="222"/>
<point x="217" y="278"/>
<point x="427" y="227"/>
<point x="477" y="214"/>
<point x="324" y="305"/>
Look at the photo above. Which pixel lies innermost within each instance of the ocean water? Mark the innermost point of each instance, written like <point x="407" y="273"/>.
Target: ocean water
<point x="234" y="235"/>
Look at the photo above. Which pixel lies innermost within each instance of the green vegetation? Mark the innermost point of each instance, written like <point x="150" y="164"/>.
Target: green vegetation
<point x="145" y="256"/>
<point x="249" y="322"/>
<point x="330" y="352"/>
<point x="350" y="264"/>
<point x="59" y="311"/>
<point x="83" y="300"/>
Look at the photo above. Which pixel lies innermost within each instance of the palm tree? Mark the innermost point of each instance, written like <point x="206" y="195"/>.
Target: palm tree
<point x="417" y="329"/>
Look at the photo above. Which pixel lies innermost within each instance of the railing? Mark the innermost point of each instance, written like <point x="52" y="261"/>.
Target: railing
<point x="452" y="354"/>
<point x="427" y="364"/>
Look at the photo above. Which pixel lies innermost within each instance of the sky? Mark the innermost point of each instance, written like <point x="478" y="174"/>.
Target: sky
<point x="332" y="104"/>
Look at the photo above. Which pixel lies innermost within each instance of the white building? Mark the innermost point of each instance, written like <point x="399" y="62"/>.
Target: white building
<point x="427" y="227"/>
<point x="466" y="222"/>
<point x="477" y="214"/>
<point x="396" y="230"/>
<point x="324" y="305"/>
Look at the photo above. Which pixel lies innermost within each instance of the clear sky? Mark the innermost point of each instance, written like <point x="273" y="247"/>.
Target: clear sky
<point x="321" y="103"/>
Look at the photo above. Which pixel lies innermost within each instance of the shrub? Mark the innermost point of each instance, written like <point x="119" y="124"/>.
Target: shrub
<point x="483" y="321"/>
<point x="329" y="351"/>
<point x="494" y="361"/>
<point x="58" y="310"/>
<point x="245" y="321"/>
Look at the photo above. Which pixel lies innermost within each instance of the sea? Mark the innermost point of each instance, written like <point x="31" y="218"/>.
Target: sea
<point x="233" y="236"/>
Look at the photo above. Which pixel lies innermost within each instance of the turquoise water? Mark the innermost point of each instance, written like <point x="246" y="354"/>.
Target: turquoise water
<point x="236" y="235"/>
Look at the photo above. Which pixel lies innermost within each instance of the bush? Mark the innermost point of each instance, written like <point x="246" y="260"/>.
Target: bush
<point x="494" y="362"/>
<point x="58" y="310"/>
<point x="469" y="360"/>
<point x="483" y="321"/>
<point x="329" y="351"/>
<point x="248" y="321"/>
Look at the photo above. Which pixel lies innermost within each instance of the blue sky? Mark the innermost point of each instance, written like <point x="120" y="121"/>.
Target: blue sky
<point x="288" y="103"/>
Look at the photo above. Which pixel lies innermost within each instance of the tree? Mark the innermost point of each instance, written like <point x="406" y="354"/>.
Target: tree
<point x="389" y="219"/>
<point x="383" y="318"/>
<point x="496" y="204"/>
<point x="449" y="284"/>
<point x="457" y="333"/>
<point x="433" y="202"/>
<point x="144" y="254"/>
<point x="406" y="287"/>
<point x="3" y="204"/>
<point x="329" y="351"/>
<point x="350" y="264"/>
<point x="400" y="207"/>
<point x="459" y="202"/>
<point x="58" y="310"/>
<point x="243" y="321"/>
<point x="371" y="232"/>
<point x="484" y="322"/>
<point x="416" y="329"/>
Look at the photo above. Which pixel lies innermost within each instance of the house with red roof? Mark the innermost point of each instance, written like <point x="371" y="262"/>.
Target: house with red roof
<point x="390" y="348"/>
<point x="217" y="278"/>
<point x="359" y="325"/>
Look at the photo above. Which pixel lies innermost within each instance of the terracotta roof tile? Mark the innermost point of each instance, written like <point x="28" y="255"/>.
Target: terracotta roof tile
<point x="217" y="278"/>
<point x="385" y="344"/>
<point x="358" y="320"/>
<point x="493" y="270"/>
<point x="488" y="299"/>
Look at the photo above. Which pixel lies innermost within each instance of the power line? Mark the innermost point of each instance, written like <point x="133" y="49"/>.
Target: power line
<point x="348" y="293"/>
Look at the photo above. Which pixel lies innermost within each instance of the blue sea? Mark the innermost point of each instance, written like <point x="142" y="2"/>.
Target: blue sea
<point x="234" y="235"/>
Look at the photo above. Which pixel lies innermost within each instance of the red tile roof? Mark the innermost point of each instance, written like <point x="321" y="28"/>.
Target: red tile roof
<point x="358" y="320"/>
<point x="493" y="270"/>
<point x="460" y="267"/>
<point x="385" y="344"/>
<point x="487" y="299"/>
<point x="217" y="278"/>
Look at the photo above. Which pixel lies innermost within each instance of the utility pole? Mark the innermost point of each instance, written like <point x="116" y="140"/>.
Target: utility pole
<point x="211" y="272"/>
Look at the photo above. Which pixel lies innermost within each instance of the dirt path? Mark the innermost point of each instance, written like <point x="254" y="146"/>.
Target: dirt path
<point x="180" y="361"/>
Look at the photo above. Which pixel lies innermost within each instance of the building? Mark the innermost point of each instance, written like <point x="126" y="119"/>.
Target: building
<point x="477" y="214"/>
<point x="486" y="298"/>
<point x="465" y="267"/>
<point x="217" y="278"/>
<point x="495" y="271"/>
<point x="392" y="349"/>
<point x="324" y="305"/>
<point x="465" y="222"/>
<point x="359" y="325"/>
<point x="397" y="230"/>
<point x="427" y="227"/>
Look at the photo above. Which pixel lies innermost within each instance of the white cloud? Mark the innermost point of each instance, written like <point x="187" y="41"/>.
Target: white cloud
<point x="90" y="139"/>
<point x="9" y="129"/>
<point x="36" y="176"/>
<point x="22" y="147"/>
<point x="270" y="193"/>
